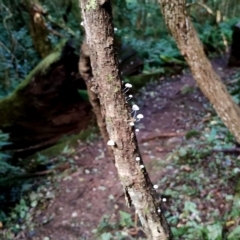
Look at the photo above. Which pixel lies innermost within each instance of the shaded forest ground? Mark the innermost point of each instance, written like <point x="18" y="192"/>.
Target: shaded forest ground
<point x="198" y="185"/>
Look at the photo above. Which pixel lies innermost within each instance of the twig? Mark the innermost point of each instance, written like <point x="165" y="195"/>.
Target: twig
<point x="208" y="9"/>
<point x="62" y="166"/>
<point x="164" y="150"/>
<point x="134" y="231"/>
<point x="227" y="150"/>
<point x="56" y="33"/>
<point x="232" y="81"/>
<point x="163" y="135"/>
<point x="61" y="25"/>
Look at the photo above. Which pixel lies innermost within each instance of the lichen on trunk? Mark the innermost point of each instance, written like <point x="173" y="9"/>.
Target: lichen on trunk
<point x="108" y="85"/>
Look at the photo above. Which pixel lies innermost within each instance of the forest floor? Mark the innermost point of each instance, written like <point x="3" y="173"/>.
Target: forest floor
<point x="194" y="188"/>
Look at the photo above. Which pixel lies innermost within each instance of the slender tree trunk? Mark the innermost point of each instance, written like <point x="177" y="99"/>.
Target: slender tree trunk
<point x="180" y="25"/>
<point x="86" y="73"/>
<point x="138" y="188"/>
<point x="38" y="28"/>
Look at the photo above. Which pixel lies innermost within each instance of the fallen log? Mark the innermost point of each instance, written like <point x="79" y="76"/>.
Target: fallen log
<point x="52" y="100"/>
<point x="47" y="104"/>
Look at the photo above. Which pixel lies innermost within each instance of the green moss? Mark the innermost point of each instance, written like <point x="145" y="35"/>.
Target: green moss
<point x="41" y="68"/>
<point x="192" y="133"/>
<point x="13" y="106"/>
<point x="116" y="89"/>
<point x="109" y="77"/>
<point x="141" y="80"/>
<point x="92" y="4"/>
<point x="236" y="199"/>
<point x="70" y="141"/>
<point x="108" y="120"/>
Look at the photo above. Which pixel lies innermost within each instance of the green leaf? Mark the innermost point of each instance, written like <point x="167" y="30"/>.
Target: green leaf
<point x="235" y="234"/>
<point x="178" y="232"/>
<point x="212" y="135"/>
<point x="83" y="94"/>
<point x="125" y="219"/>
<point x="182" y="152"/>
<point x="106" y="236"/>
<point x="190" y="207"/>
<point x="22" y="214"/>
<point x="214" y="231"/>
<point x="104" y="225"/>
<point x="34" y="203"/>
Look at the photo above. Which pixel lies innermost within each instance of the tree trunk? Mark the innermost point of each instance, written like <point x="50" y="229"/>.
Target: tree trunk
<point x="86" y="73"/>
<point x="107" y="84"/>
<point x="38" y="28"/>
<point x="234" y="58"/>
<point x="180" y="25"/>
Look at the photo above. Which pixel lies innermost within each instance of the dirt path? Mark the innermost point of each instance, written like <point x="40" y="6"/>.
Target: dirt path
<point x="171" y="107"/>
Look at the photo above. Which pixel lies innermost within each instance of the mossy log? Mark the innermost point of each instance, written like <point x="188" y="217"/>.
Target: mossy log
<point x="52" y="101"/>
<point x="139" y="81"/>
<point x="47" y="104"/>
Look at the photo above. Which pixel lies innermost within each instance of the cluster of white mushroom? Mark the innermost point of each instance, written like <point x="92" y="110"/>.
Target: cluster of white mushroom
<point x="136" y="118"/>
<point x="127" y="87"/>
<point x="135" y="108"/>
<point x="111" y="143"/>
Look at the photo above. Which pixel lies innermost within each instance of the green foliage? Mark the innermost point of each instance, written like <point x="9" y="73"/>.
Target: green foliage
<point x="22" y="192"/>
<point x="7" y="170"/>
<point x="135" y="25"/>
<point x="192" y="133"/>
<point x="3" y="142"/>
<point x="157" y="54"/>
<point x="235" y="87"/>
<point x="199" y="169"/>
<point x="235" y="234"/>
<point x="17" y="53"/>
<point x="114" y="230"/>
<point x="21" y="215"/>
<point x="216" y="38"/>
<point x="125" y="219"/>
<point x="7" y="173"/>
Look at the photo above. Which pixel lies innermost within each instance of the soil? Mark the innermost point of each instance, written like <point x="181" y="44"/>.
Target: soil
<point x="171" y="107"/>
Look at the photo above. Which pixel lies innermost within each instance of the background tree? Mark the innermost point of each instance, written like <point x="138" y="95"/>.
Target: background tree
<point x="38" y="27"/>
<point x="180" y="25"/>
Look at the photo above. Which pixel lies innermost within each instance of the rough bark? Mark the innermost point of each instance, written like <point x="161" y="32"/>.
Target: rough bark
<point x="86" y="73"/>
<point x="107" y="84"/>
<point x="187" y="40"/>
